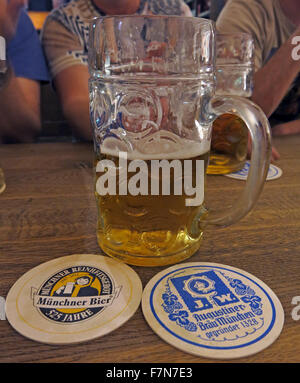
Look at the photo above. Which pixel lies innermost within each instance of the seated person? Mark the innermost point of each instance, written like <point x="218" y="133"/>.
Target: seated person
<point x="26" y="66"/>
<point x="273" y="25"/>
<point x="65" y="39"/>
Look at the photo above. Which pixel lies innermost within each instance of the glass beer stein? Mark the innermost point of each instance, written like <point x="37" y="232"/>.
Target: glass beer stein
<point x="234" y="73"/>
<point x="152" y="105"/>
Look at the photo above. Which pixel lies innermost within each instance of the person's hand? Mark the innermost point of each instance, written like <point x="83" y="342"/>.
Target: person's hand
<point x="288" y="128"/>
<point x="9" y="16"/>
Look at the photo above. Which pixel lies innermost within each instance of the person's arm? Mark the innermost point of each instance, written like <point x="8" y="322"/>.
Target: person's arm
<point x="19" y="109"/>
<point x="273" y="80"/>
<point x="19" y="97"/>
<point x="9" y="16"/>
<point x="67" y="60"/>
<point x="72" y="88"/>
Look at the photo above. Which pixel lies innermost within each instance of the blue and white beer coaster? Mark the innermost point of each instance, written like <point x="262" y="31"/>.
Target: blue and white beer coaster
<point x="73" y="299"/>
<point x="212" y="310"/>
<point x="273" y="174"/>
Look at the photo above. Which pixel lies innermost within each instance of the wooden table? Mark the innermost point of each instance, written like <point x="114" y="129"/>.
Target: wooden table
<point x="48" y="211"/>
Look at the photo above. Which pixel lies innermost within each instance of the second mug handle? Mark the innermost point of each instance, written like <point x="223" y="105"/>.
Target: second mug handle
<point x="259" y="128"/>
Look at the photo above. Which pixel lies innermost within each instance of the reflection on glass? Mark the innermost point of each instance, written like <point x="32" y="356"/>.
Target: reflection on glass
<point x="2" y="181"/>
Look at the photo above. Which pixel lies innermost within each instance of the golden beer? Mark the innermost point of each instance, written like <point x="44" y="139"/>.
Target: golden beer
<point x="228" y="145"/>
<point x="149" y="230"/>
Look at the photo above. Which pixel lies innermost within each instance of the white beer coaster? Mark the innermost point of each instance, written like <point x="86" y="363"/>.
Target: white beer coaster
<point x="212" y="310"/>
<point x="73" y="299"/>
<point x="273" y="174"/>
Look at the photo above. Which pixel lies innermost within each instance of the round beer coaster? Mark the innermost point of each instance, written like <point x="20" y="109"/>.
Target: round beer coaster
<point x="73" y="299"/>
<point x="212" y="310"/>
<point x="273" y="174"/>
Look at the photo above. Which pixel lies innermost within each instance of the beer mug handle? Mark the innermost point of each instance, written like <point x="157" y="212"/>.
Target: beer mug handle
<point x="259" y="128"/>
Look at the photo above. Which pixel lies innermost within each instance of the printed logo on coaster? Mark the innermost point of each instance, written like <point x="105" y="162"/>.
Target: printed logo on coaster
<point x="212" y="310"/>
<point x="273" y="174"/>
<point x="73" y="299"/>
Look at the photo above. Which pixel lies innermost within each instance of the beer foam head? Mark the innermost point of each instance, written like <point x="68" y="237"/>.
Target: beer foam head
<point x="159" y="145"/>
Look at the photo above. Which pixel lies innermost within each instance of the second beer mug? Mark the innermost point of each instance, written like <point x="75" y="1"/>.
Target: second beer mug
<point x="234" y="72"/>
<point x="152" y="104"/>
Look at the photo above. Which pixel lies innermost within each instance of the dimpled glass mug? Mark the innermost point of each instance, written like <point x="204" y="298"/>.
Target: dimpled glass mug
<point x="152" y="105"/>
